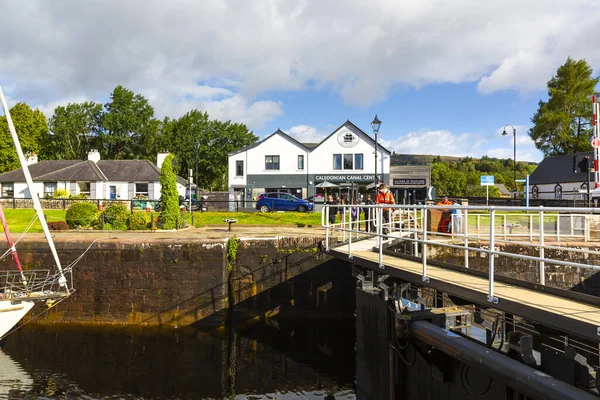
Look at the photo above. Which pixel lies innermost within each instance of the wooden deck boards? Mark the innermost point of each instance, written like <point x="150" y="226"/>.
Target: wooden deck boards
<point x="582" y="312"/>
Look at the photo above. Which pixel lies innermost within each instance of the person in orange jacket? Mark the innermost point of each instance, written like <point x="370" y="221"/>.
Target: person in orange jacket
<point x="384" y="196"/>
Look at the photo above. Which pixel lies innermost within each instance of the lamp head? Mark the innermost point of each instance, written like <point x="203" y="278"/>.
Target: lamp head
<point x="196" y="144"/>
<point x="504" y="132"/>
<point x="376" y="124"/>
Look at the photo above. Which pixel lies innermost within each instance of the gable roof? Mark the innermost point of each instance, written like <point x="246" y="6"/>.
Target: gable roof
<point x="277" y="132"/>
<point x="311" y="146"/>
<point x="350" y="126"/>
<point x="78" y="170"/>
<point x="558" y="169"/>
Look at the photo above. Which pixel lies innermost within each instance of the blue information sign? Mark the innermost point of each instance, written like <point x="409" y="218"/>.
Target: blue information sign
<point x="487" y="180"/>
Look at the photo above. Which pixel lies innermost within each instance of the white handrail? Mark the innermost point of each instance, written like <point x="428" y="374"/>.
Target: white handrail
<point x="411" y="232"/>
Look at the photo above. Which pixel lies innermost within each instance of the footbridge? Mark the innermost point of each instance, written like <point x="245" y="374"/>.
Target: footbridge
<point x="473" y="302"/>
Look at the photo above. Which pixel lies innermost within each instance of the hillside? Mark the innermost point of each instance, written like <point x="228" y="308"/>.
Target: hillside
<point x="427" y="159"/>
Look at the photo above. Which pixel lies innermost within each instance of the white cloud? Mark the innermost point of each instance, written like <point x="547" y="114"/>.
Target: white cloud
<point x="306" y="134"/>
<point x="439" y="142"/>
<point x="222" y="54"/>
<point x="526" y="154"/>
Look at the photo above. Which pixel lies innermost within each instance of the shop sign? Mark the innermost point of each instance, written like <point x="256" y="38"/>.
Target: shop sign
<point x="408" y="182"/>
<point x="345" y="178"/>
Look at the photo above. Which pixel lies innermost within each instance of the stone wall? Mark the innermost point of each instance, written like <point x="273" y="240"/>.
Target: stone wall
<point x="150" y="282"/>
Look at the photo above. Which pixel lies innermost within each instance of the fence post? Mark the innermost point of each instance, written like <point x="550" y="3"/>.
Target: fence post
<point x="558" y="227"/>
<point x="542" y="263"/>
<point x="103" y="221"/>
<point x="491" y="297"/>
<point x="531" y="227"/>
<point x="151" y="220"/>
<point x="379" y="217"/>
<point x="466" y="232"/>
<point x="416" y="233"/>
<point x="64" y="204"/>
<point x="326" y="214"/>
<point x="14" y="203"/>
<point x="424" y="247"/>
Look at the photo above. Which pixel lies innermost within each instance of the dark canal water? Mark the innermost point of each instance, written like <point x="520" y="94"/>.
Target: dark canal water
<point x="258" y="361"/>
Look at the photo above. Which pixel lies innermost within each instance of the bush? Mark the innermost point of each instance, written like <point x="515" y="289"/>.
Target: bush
<point x="61" y="194"/>
<point x="116" y="216"/>
<point x="139" y="221"/>
<point x="58" y="226"/>
<point x="168" y="193"/>
<point x="83" y="215"/>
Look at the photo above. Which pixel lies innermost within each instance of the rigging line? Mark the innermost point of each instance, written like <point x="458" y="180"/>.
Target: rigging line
<point x="34" y="317"/>
<point x="74" y="262"/>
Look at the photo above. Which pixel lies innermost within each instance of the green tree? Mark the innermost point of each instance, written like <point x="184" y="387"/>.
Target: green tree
<point x="169" y="214"/>
<point x="215" y="139"/>
<point x="32" y="129"/>
<point x="562" y="125"/>
<point x="128" y="125"/>
<point x="74" y="131"/>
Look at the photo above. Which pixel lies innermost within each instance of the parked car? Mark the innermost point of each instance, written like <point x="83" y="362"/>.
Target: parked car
<point x="277" y="201"/>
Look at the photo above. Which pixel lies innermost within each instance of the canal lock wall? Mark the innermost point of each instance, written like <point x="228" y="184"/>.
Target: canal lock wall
<point x="200" y="282"/>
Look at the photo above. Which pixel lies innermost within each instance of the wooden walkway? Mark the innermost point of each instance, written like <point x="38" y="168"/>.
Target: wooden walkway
<point x="563" y="314"/>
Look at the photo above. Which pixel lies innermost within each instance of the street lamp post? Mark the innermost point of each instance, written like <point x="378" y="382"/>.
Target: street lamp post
<point x="196" y="146"/>
<point x="514" y="156"/>
<point x="375" y="125"/>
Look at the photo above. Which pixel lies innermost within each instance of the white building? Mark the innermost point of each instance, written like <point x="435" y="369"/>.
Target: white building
<point x="281" y="163"/>
<point x="93" y="178"/>
<point x="560" y="177"/>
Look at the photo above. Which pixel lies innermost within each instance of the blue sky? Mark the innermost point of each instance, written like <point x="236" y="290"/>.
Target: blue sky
<point x="443" y="76"/>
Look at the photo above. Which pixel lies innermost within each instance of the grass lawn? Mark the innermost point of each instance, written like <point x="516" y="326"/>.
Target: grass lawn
<point x="256" y="218"/>
<point x="18" y="219"/>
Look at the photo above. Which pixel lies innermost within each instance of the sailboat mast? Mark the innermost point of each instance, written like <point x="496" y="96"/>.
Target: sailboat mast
<point x="34" y="194"/>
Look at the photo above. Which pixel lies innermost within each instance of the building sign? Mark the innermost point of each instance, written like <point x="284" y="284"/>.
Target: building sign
<point x="408" y="182"/>
<point x="347" y="139"/>
<point x="345" y="178"/>
<point x="487" y="180"/>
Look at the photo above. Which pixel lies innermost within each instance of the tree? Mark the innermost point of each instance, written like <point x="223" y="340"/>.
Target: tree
<point x="169" y="214"/>
<point x="74" y="131"/>
<point x="32" y="129"/>
<point x="128" y="123"/>
<point x="562" y="125"/>
<point x="215" y="139"/>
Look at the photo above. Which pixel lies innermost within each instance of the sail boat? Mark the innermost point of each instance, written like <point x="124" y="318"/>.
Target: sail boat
<point x="21" y="289"/>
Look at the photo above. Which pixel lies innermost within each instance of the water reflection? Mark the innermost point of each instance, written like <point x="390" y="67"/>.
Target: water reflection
<point x="13" y="378"/>
<point x="259" y="361"/>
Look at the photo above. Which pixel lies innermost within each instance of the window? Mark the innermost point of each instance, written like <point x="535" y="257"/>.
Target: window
<point x="49" y="189"/>
<point x="535" y="191"/>
<point x="8" y="190"/>
<point x="558" y="192"/>
<point x="84" y="188"/>
<point x="337" y="161"/>
<point x="239" y="168"/>
<point x="141" y="190"/>
<point x="348" y="161"/>
<point x="272" y="162"/>
<point x="358" y="161"/>
<point x="300" y="162"/>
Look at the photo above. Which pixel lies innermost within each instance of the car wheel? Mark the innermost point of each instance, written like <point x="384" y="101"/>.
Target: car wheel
<point x="264" y="208"/>
<point x="301" y="208"/>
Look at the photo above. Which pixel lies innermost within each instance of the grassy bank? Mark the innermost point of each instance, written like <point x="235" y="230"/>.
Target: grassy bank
<point x="19" y="219"/>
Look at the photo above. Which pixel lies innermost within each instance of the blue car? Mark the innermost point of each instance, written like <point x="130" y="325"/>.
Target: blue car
<point x="282" y="202"/>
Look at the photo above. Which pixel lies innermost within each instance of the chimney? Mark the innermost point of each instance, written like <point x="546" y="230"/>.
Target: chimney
<point x="94" y="156"/>
<point x="160" y="158"/>
<point x="31" y="158"/>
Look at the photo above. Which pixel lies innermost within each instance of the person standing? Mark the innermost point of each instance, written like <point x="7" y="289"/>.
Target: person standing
<point x="332" y="210"/>
<point x="457" y="218"/>
<point x="370" y="215"/>
<point x="384" y="196"/>
<point x="355" y="216"/>
<point x="342" y="210"/>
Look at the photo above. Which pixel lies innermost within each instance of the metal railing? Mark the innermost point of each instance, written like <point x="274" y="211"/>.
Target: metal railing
<point x="537" y="228"/>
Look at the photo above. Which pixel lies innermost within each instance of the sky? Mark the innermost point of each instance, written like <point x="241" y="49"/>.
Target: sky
<point x="444" y="77"/>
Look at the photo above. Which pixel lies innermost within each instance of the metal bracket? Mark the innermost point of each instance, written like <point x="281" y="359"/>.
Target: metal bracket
<point x="425" y="279"/>
<point x="350" y="256"/>
<point x="381" y="266"/>
<point x="598" y="331"/>
<point x="492" y="299"/>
